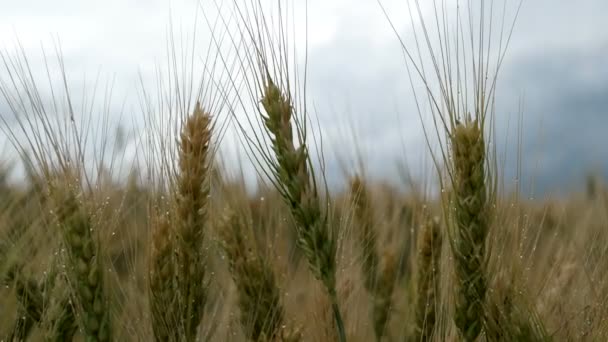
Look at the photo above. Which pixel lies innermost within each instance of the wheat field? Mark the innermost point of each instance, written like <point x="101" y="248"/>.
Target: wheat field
<point x="179" y="248"/>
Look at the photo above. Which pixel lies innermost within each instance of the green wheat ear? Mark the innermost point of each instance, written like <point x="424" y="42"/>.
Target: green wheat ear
<point x="292" y="173"/>
<point x="58" y="321"/>
<point x="259" y="298"/>
<point x="85" y="274"/>
<point x="471" y="216"/>
<point x="298" y="188"/>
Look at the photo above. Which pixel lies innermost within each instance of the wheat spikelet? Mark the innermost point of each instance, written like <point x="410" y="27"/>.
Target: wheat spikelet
<point x="429" y="254"/>
<point x="21" y="327"/>
<point x="60" y="324"/>
<point x="258" y="294"/>
<point x="299" y="190"/>
<point x="59" y="319"/>
<point x="471" y="226"/>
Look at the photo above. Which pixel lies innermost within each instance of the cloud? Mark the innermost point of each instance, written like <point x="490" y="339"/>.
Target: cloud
<point x="555" y="67"/>
<point x="357" y="79"/>
<point x="565" y="113"/>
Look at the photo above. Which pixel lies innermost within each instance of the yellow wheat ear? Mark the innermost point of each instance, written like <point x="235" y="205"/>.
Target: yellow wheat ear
<point x="192" y="218"/>
<point x="178" y="289"/>
<point x="161" y="273"/>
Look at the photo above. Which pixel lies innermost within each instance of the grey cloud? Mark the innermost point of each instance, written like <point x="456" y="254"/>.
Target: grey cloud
<point x="357" y="79"/>
<point x="556" y="65"/>
<point x="565" y="114"/>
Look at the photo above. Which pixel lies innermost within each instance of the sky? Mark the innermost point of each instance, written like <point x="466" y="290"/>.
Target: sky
<point x="554" y="75"/>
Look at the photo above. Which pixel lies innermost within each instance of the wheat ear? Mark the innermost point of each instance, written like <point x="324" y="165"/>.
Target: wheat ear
<point x="85" y="274"/>
<point x="192" y="218"/>
<point x="258" y="294"/>
<point x="299" y="191"/>
<point x="178" y="289"/>
<point x="429" y="255"/>
<point x="161" y="275"/>
<point x="383" y="293"/>
<point x="379" y="282"/>
<point x="471" y="225"/>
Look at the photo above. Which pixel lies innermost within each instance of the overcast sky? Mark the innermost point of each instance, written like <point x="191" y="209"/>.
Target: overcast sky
<point x="555" y="67"/>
